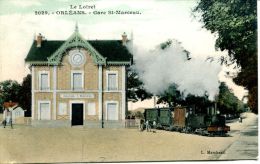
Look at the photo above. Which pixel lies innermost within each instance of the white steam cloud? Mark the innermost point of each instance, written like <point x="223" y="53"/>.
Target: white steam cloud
<point x="160" y="68"/>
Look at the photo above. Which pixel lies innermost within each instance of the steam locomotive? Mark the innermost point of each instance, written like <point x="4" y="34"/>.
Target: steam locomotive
<point x="184" y="119"/>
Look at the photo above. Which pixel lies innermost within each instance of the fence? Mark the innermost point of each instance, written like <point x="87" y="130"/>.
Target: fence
<point x="132" y="123"/>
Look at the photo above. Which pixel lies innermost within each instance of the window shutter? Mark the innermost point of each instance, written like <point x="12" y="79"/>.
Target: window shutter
<point x="44" y="111"/>
<point x="112" y="85"/>
<point x="111" y="111"/>
<point x="91" y="109"/>
<point x="77" y="81"/>
<point x="44" y="81"/>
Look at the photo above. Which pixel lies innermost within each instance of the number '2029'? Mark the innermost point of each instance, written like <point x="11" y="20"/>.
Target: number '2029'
<point x="41" y="12"/>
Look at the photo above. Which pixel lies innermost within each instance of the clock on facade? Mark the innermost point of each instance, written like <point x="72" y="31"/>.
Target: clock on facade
<point x="77" y="58"/>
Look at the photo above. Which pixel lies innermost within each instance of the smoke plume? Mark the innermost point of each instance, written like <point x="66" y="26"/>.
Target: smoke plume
<point x="160" y="68"/>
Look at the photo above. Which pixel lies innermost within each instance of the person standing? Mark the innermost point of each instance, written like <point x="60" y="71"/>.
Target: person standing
<point x="240" y="119"/>
<point x="141" y="125"/>
<point x="7" y="117"/>
<point x="4" y="116"/>
<point x="154" y="126"/>
<point x="148" y="128"/>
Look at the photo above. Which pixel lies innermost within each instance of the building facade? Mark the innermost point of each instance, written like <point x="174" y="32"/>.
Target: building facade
<point x="17" y="113"/>
<point x="79" y="82"/>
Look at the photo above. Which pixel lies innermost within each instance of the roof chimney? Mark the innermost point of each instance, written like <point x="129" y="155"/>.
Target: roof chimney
<point x="39" y="40"/>
<point x="124" y="38"/>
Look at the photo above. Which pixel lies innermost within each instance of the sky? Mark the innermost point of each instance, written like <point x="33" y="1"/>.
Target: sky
<point x="158" y="22"/>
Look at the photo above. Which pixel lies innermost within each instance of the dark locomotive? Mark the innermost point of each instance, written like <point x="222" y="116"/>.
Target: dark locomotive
<point x="184" y="119"/>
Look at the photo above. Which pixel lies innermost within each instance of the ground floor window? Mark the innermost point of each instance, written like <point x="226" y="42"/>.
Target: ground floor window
<point x="62" y="109"/>
<point x="44" y="111"/>
<point x="91" y="108"/>
<point x="112" y="111"/>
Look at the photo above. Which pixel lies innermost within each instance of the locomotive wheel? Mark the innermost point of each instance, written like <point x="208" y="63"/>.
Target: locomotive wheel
<point x="171" y="128"/>
<point x="180" y="130"/>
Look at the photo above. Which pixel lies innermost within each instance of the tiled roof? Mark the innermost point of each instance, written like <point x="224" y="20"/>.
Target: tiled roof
<point x="113" y="50"/>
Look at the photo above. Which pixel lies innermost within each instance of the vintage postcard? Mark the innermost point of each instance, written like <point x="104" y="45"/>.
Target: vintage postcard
<point x="128" y="81"/>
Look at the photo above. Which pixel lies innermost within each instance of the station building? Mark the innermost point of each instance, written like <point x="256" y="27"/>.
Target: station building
<point x="78" y="81"/>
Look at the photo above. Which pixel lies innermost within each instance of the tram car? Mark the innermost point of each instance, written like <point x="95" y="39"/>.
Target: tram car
<point x="161" y="116"/>
<point x="184" y="119"/>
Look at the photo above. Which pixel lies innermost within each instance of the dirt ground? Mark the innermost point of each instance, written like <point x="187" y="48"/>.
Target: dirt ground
<point x="26" y="144"/>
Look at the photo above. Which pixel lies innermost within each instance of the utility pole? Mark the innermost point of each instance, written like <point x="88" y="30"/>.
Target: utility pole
<point x="102" y="119"/>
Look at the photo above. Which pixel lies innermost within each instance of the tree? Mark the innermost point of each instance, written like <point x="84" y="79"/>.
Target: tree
<point x="135" y="87"/>
<point x="227" y="102"/>
<point x="139" y="115"/>
<point x="172" y="96"/>
<point x="25" y="95"/>
<point x="199" y="103"/>
<point x="234" y="22"/>
<point x="9" y="91"/>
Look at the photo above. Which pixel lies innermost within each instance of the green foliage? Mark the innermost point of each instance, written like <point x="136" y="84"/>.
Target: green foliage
<point x="234" y="22"/>
<point x="169" y="43"/>
<point x="129" y="114"/>
<point x="200" y="103"/>
<point x="135" y="87"/>
<point x="9" y="91"/>
<point x="172" y="96"/>
<point x="25" y="95"/>
<point x="166" y="44"/>
<point x="134" y="114"/>
<point x="139" y="115"/>
<point x="227" y="102"/>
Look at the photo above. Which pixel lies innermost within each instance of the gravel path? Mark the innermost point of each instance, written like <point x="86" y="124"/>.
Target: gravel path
<point x="28" y="144"/>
